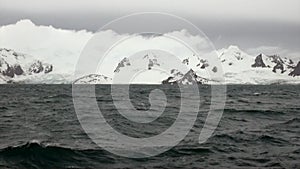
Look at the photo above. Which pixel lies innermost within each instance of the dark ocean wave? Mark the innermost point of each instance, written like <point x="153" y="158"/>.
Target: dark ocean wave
<point x="34" y="154"/>
<point x="3" y="108"/>
<point x="227" y="138"/>
<point x="293" y="121"/>
<point x="179" y="151"/>
<point x="271" y="140"/>
<point x="291" y="124"/>
<point x="253" y="111"/>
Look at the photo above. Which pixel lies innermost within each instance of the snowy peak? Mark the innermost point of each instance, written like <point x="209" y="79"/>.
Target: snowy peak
<point x="233" y="48"/>
<point x="232" y="53"/>
<point x="234" y="60"/>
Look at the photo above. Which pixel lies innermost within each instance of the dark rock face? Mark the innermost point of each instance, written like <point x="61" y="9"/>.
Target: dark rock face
<point x="189" y="78"/>
<point x="177" y="73"/>
<point x="203" y="66"/>
<point x="215" y="69"/>
<point x="259" y="62"/>
<point x="278" y="66"/>
<point x="279" y="63"/>
<point x="152" y="62"/>
<point x="203" y="63"/>
<point x="9" y="72"/>
<point x="36" y="67"/>
<point x="123" y="63"/>
<point x="18" y="70"/>
<point x="168" y="81"/>
<point x="185" y="61"/>
<point x="276" y="59"/>
<point x="48" y="68"/>
<point x="296" y="71"/>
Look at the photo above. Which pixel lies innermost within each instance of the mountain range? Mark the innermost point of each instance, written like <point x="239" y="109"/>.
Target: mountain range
<point x="238" y="68"/>
<point x="32" y="53"/>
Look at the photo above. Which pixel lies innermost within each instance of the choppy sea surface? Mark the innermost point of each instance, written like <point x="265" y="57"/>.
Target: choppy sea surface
<point x="260" y="128"/>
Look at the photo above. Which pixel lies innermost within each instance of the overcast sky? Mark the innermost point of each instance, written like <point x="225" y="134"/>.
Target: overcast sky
<point x="265" y="24"/>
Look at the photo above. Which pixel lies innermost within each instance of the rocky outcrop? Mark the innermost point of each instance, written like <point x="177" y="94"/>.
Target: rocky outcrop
<point x="203" y="64"/>
<point x="259" y="62"/>
<point x="279" y="63"/>
<point x="189" y="78"/>
<point x="48" y="68"/>
<point x="278" y="66"/>
<point x="39" y="67"/>
<point x="36" y="67"/>
<point x="123" y="63"/>
<point x="152" y="62"/>
<point x="18" y="70"/>
<point x="185" y="61"/>
<point x="296" y="71"/>
<point x="215" y="69"/>
<point x="11" y="71"/>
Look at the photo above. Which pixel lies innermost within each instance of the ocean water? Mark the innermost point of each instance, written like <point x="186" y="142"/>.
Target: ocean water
<point x="260" y="128"/>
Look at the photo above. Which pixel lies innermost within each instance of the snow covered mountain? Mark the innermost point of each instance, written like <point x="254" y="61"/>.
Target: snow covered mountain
<point x="151" y="68"/>
<point x="238" y="68"/>
<point x="32" y="53"/>
<point x="17" y="66"/>
<point x="155" y="67"/>
<point x="241" y="68"/>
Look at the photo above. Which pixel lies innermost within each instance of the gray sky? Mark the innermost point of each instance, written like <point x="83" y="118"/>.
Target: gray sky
<point x="246" y="23"/>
